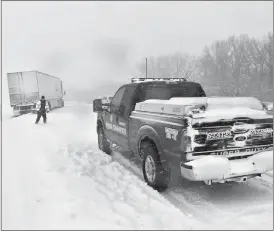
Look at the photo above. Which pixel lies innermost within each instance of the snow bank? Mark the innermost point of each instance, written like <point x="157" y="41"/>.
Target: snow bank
<point x="126" y="201"/>
<point x="54" y="177"/>
<point x="6" y="111"/>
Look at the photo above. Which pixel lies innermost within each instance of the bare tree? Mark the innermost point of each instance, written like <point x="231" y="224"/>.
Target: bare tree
<point x="237" y="66"/>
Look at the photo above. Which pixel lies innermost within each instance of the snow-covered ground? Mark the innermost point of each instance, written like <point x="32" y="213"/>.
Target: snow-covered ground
<point x="54" y="177"/>
<point x="6" y="111"/>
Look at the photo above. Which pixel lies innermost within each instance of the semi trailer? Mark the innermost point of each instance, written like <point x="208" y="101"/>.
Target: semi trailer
<point x="27" y="87"/>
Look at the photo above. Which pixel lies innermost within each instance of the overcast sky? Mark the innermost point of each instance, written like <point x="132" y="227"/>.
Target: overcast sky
<point x="85" y="43"/>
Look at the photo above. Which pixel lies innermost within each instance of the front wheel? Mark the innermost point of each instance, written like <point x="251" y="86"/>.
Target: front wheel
<point x="103" y="144"/>
<point x="154" y="173"/>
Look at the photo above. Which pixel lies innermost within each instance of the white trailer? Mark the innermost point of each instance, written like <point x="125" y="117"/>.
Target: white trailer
<point x="27" y="87"/>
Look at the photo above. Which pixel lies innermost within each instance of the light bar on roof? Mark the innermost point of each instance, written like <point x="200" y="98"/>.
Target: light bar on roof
<point x="134" y="80"/>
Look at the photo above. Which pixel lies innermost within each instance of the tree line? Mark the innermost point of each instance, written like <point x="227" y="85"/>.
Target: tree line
<point x="236" y="66"/>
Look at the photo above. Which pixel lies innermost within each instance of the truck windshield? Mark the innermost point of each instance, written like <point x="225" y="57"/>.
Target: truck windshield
<point x="167" y="91"/>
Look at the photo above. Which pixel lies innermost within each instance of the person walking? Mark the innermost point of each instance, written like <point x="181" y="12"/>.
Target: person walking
<point x="42" y="108"/>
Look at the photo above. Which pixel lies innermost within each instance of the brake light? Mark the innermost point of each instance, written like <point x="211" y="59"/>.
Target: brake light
<point x="196" y="111"/>
<point x="187" y="142"/>
<point x="200" y="139"/>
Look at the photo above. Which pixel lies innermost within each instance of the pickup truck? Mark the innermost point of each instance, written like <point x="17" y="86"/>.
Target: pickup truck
<point x="212" y="139"/>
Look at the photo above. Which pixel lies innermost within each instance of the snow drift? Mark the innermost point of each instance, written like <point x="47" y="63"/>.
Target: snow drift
<point x="54" y="177"/>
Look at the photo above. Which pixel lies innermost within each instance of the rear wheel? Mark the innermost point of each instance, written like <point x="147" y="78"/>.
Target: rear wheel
<point x="154" y="173"/>
<point x="103" y="144"/>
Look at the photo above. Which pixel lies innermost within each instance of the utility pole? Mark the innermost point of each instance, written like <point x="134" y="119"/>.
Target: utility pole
<point x="146" y="67"/>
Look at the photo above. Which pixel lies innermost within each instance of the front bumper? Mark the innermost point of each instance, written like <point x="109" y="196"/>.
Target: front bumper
<point x="220" y="168"/>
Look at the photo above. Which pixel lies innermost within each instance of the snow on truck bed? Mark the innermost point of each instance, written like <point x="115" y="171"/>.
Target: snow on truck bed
<point x="54" y="177"/>
<point x="216" y="107"/>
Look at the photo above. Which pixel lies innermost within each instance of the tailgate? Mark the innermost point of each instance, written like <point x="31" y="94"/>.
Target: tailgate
<point x="231" y="138"/>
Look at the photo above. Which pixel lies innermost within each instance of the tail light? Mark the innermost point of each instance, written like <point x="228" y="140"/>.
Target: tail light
<point x="196" y="111"/>
<point x="188" y="147"/>
<point x="185" y="142"/>
<point x="200" y="139"/>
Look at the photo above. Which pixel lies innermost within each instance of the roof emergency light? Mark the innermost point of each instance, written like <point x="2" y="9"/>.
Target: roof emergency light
<point x="136" y="80"/>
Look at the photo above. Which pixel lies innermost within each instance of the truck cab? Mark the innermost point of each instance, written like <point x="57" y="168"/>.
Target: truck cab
<point x="117" y="115"/>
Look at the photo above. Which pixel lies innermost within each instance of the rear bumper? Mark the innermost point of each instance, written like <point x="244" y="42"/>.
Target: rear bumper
<point x="220" y="168"/>
<point x="16" y="112"/>
<point x="22" y="109"/>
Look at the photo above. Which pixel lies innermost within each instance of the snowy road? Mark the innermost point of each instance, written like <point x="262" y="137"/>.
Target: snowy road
<point x="54" y="177"/>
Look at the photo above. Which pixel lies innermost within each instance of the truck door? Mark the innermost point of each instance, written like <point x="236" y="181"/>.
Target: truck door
<point x="122" y="117"/>
<point x="111" y="121"/>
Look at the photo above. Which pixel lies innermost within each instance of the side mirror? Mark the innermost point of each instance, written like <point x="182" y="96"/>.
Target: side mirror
<point x="97" y="105"/>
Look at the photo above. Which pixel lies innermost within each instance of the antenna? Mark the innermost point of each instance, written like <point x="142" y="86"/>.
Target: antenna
<point x="146" y="67"/>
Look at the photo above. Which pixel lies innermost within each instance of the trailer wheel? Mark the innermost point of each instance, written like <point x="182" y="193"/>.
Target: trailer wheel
<point x="103" y="144"/>
<point x="154" y="173"/>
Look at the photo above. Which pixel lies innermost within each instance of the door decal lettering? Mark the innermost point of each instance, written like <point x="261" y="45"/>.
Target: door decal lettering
<point x="116" y="128"/>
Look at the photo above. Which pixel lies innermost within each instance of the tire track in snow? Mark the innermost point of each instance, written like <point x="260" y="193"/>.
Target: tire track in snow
<point x="174" y="195"/>
<point x="266" y="180"/>
<point x="268" y="176"/>
<point x="249" y="218"/>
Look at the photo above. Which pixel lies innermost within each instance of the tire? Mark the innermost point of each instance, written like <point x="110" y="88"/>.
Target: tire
<point x="159" y="178"/>
<point x="103" y="144"/>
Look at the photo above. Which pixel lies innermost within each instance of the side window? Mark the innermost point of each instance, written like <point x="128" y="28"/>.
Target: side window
<point x="116" y="101"/>
<point x="157" y="92"/>
<point x="200" y="92"/>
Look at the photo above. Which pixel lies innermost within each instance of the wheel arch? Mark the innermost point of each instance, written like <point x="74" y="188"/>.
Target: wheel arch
<point x="100" y="123"/>
<point x="148" y="134"/>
